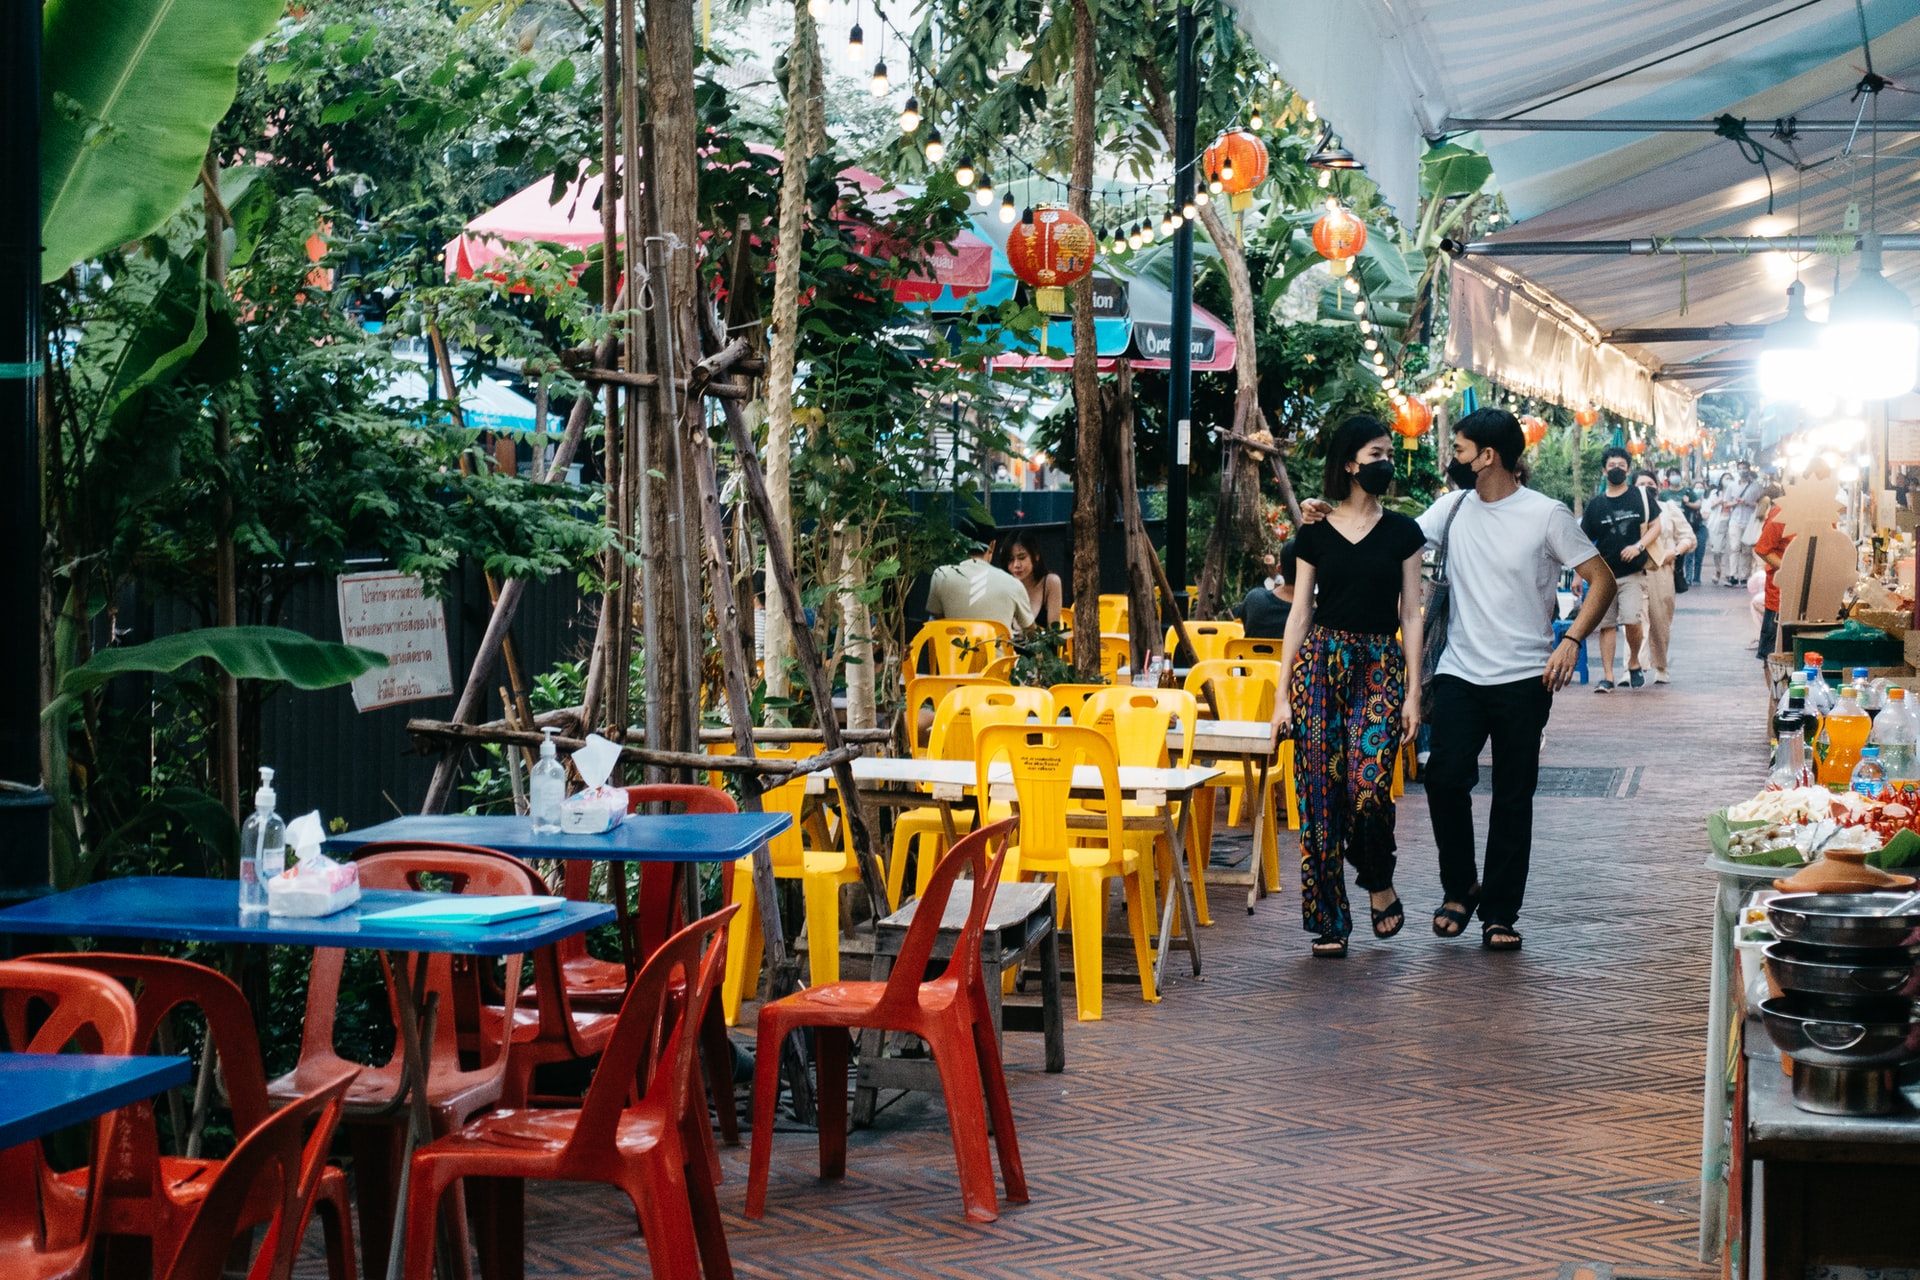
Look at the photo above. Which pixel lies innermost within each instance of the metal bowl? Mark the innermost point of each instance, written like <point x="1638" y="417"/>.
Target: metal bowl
<point x="1826" y="1041"/>
<point x="1844" y="920"/>
<point x="1875" y="981"/>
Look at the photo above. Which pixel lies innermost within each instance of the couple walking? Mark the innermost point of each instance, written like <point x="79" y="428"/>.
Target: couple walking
<point x="1492" y="668"/>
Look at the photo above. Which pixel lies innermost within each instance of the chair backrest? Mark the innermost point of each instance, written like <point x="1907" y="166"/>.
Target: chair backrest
<point x="1025" y="700"/>
<point x="982" y="854"/>
<point x="957" y="646"/>
<point x="1001" y="668"/>
<point x="1114" y="612"/>
<point x="1041" y="761"/>
<point x="789" y="797"/>
<point x="925" y="694"/>
<point x="1243" y="689"/>
<point x="1141" y="740"/>
<point x="1116" y="651"/>
<point x="1243" y="648"/>
<point x="1068" y="699"/>
<point x="660" y="910"/>
<point x="652" y="1046"/>
<point x="1210" y="639"/>
<point x="272" y="1161"/>
<point x="45" y="1008"/>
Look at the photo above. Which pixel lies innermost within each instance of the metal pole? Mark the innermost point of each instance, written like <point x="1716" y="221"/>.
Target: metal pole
<point x="23" y="805"/>
<point x="1180" y="377"/>
<point x="1785" y="127"/>
<point x="1665" y="246"/>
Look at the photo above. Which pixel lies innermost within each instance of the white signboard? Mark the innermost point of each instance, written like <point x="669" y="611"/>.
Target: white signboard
<point x="391" y="613"/>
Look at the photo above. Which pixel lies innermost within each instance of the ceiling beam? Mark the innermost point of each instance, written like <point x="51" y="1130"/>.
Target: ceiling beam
<point x="1698" y="333"/>
<point x="1668" y="246"/>
<point x="1703" y="369"/>
<point x="1784" y="127"/>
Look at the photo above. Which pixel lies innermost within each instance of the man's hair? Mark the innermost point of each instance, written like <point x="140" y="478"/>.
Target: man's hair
<point x="1289" y="558"/>
<point x="1495" y="429"/>
<point x="1613" y="451"/>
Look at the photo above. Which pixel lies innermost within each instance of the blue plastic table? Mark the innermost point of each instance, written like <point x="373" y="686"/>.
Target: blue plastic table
<point x="183" y="909"/>
<point x="643" y="837"/>
<point x="43" y="1092"/>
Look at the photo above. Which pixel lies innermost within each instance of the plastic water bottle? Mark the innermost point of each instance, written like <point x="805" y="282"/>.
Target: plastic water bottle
<point x="263" y="846"/>
<point x="1894" y="732"/>
<point x="1820" y="695"/>
<point x="546" y="787"/>
<point x="1867" y="690"/>
<point x="1869" y="779"/>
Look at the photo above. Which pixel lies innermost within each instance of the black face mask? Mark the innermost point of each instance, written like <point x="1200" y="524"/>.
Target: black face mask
<point x="1375" y="477"/>
<point x="1462" y="474"/>
<point x="1616" y="475"/>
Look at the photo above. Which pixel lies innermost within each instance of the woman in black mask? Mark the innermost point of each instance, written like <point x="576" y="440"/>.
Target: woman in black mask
<point x="1346" y="701"/>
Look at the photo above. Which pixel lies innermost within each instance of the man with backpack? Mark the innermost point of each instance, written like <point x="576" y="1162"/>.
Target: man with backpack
<point x="1624" y="522"/>
<point x="1665" y="573"/>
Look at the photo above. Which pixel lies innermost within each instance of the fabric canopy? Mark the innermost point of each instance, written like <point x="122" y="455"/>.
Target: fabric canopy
<point x="1392" y="74"/>
<point x="486" y="404"/>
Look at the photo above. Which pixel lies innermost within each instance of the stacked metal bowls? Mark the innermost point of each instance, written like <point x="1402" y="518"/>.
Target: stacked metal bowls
<point x="1849" y="975"/>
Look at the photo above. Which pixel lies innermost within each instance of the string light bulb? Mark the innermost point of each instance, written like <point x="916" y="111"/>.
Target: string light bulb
<point x="1312" y="115"/>
<point x="963" y="172"/>
<point x="856" y="43"/>
<point x="1168" y="224"/>
<point x="1201" y="197"/>
<point x="983" y="194"/>
<point x="1190" y="211"/>
<point x="880" y="83"/>
<point x="1133" y="239"/>
<point x="1226" y="171"/>
<point x="1326" y="179"/>
<point x="936" y="149"/>
<point x="1371" y="345"/>
<point x="1254" y="119"/>
<point x="1007" y="212"/>
<point x="1360" y="306"/>
<point x="1146" y="231"/>
<point x="910" y="115"/>
<point x="1216" y="186"/>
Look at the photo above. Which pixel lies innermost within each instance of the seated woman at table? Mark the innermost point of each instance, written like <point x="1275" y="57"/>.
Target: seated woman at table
<point x="1347" y="704"/>
<point x="1025" y="563"/>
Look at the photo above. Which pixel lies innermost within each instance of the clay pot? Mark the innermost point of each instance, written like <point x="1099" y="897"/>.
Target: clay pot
<point x="1841" y="871"/>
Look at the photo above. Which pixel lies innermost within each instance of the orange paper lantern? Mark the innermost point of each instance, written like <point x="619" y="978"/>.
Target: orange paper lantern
<point x="1051" y="248"/>
<point x="1411" y="420"/>
<point x="1238" y="162"/>
<point x="1706" y="447"/>
<point x="1636" y="446"/>
<point x="1533" y="429"/>
<point x="1586" y="417"/>
<point x="1338" y="235"/>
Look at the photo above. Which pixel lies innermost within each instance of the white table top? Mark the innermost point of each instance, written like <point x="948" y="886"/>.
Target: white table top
<point x="1228" y="736"/>
<point x="962" y="773"/>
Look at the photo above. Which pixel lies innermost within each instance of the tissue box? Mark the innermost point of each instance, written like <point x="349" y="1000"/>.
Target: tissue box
<point x="317" y="887"/>
<point x="593" y="811"/>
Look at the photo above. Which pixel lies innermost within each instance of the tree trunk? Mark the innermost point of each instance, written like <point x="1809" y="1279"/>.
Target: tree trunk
<point x="856" y="629"/>
<point x="1089" y="484"/>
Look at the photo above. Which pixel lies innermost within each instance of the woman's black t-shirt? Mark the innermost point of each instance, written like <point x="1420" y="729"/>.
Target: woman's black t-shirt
<point x="1358" y="583"/>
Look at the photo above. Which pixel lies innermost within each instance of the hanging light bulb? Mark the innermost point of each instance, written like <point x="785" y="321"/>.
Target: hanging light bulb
<point x="1366" y="326"/>
<point x="1790" y="358"/>
<point x="1169" y="224"/>
<point x="1226" y="171"/>
<point x="1007" y="212"/>
<point x="1312" y="115"/>
<point x="1360" y="306"/>
<point x="1146" y="231"/>
<point x="1254" y="119"/>
<point x="1133" y="239"/>
<point x="1190" y="211"/>
<point x="963" y="172"/>
<point x="983" y="194"/>
<point x="1872" y="344"/>
<point x="1326" y="179"/>
<point x="1201" y="197"/>
<point x="1372" y="345"/>
<point x="910" y="115"/>
<point x="1119" y="245"/>
<point x="856" y="43"/>
<point x="936" y="149"/>
<point x="1389" y="384"/>
<point x="880" y="84"/>
<point x="816" y="8"/>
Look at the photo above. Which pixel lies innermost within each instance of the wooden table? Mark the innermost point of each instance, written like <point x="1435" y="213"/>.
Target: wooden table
<point x="886" y="781"/>
<point x="1255" y="746"/>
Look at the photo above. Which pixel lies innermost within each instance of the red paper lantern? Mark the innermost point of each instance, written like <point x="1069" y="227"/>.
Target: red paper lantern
<point x="1238" y="162"/>
<point x="1586" y="417"/>
<point x="1412" y="419"/>
<point x="1050" y="248"/>
<point x="1636" y="446"/>
<point x="1338" y="235"/>
<point x="1533" y="429"/>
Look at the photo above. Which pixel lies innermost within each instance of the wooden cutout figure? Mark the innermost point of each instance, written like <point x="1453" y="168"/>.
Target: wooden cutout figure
<point x="1820" y="563"/>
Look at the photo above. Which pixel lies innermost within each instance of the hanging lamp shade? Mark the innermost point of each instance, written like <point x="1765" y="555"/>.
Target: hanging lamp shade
<point x="1533" y="429"/>
<point x="1329" y="154"/>
<point x="1411" y="419"/>
<point x="1587" y="416"/>
<point x="1792" y="363"/>
<point x="1871" y="347"/>
<point x="1238" y="162"/>
<point x="1050" y="249"/>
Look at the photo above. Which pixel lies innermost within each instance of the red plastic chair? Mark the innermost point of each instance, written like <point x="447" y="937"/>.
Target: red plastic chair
<point x="144" y="1193"/>
<point x="643" y="1145"/>
<point x="39" y="1241"/>
<point x="375" y="1116"/>
<point x="950" y="1013"/>
<point x="271" y="1164"/>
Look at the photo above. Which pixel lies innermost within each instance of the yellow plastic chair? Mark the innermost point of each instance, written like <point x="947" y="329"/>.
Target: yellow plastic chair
<point x="1114" y="613"/>
<point x="1001" y="668"/>
<point x="960" y="717"/>
<point x="820" y="870"/>
<point x="1209" y="638"/>
<point x="1042" y="761"/>
<point x="1116" y="651"/>
<point x="924" y="695"/>
<point x="1068" y="698"/>
<point x="1241" y="648"/>
<point x="1245" y="689"/>
<point x="1144" y="744"/>
<point x="959" y="646"/>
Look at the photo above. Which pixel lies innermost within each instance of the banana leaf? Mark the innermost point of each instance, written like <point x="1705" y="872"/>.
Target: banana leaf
<point x="248" y="653"/>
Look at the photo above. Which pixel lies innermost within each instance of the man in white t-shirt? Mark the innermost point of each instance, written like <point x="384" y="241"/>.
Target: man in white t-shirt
<point x="1501" y="666"/>
<point x="974" y="589"/>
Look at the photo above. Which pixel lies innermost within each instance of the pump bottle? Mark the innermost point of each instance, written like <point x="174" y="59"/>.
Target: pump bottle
<point x="546" y="787"/>
<point x="263" y="846"/>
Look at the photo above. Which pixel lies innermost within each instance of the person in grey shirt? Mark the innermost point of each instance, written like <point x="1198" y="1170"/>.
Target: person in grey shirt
<point x="1265" y="611"/>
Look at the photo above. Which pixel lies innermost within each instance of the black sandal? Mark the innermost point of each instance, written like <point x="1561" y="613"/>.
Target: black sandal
<point x="1330" y="946"/>
<point x="1458" y="917"/>
<point x="1500" y="937"/>
<point x="1388" y="912"/>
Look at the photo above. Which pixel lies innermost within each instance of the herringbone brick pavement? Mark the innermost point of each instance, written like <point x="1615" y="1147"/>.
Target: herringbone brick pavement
<point x="1424" y="1109"/>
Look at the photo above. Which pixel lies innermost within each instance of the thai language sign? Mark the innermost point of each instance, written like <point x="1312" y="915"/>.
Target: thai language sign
<point x="391" y="613"/>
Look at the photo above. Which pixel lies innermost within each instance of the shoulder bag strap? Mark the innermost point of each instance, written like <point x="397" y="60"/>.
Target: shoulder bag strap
<point x="1446" y="536"/>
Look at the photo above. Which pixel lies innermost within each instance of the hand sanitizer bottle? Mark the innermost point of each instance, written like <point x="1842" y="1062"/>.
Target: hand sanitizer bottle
<point x="263" y="846"/>
<point x="546" y="788"/>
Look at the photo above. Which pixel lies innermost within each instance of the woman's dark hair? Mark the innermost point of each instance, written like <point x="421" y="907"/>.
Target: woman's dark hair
<point x="1494" y="429"/>
<point x="1349" y="438"/>
<point x="1031" y="545"/>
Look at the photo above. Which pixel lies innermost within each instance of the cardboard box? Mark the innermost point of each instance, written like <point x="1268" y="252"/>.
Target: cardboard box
<point x="1913" y="648"/>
